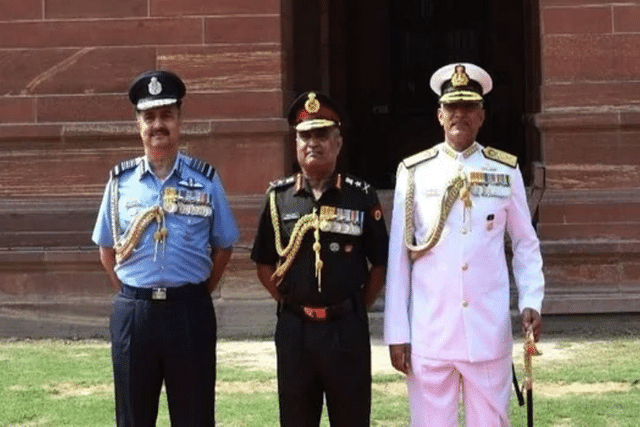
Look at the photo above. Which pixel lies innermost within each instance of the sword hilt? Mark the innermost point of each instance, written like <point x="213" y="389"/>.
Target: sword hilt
<point x="530" y="350"/>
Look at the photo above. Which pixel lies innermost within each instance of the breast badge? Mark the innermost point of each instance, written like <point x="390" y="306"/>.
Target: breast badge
<point x="133" y="206"/>
<point x="341" y="221"/>
<point x="191" y="184"/>
<point x="490" y="184"/>
<point x="169" y="200"/>
<point x="187" y="202"/>
<point x="292" y="216"/>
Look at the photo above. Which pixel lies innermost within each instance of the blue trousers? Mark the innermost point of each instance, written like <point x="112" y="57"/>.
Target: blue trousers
<point x="172" y="341"/>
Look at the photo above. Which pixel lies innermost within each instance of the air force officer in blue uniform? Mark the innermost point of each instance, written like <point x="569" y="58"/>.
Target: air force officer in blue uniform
<point x="165" y="231"/>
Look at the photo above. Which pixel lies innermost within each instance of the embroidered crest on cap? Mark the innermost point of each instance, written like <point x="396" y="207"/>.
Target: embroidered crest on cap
<point x="460" y="76"/>
<point x="312" y="105"/>
<point x="155" y="87"/>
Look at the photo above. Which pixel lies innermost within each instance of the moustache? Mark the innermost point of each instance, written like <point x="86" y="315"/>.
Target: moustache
<point x="460" y="122"/>
<point x="161" y="131"/>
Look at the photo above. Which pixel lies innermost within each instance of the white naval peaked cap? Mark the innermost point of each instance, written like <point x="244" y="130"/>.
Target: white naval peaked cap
<point x="460" y="82"/>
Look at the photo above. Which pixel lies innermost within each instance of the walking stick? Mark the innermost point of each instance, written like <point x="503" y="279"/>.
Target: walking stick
<point x="530" y="349"/>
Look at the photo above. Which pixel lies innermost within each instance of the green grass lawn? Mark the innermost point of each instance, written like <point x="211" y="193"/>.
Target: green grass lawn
<point x="578" y="383"/>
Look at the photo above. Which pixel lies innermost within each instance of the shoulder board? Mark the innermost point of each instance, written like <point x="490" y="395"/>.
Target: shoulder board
<point x="123" y="166"/>
<point x="357" y="183"/>
<point x="500" y="156"/>
<point x="420" y="157"/>
<point x="282" y="182"/>
<point x="203" y="168"/>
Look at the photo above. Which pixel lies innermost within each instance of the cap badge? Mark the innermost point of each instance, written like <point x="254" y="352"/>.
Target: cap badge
<point x="312" y="105"/>
<point x="155" y="87"/>
<point x="460" y="77"/>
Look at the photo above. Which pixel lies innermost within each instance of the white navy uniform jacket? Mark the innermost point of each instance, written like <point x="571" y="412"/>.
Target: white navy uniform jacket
<point x="453" y="302"/>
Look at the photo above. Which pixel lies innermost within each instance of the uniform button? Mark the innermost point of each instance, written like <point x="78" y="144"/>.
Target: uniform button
<point x="465" y="303"/>
<point x="464" y="230"/>
<point x="465" y="267"/>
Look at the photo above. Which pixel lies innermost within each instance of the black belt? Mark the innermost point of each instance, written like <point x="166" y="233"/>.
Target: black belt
<point x="320" y="314"/>
<point x="159" y="293"/>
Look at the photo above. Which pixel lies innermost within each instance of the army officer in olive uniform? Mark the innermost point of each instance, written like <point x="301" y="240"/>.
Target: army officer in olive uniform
<point x="321" y="253"/>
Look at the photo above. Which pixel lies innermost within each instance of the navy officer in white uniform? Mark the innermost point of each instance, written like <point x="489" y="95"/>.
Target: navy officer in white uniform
<point x="447" y="319"/>
<point x="165" y="231"/>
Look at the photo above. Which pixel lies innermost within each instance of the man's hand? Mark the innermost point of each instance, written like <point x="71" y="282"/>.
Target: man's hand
<point x="108" y="261"/>
<point x="373" y="284"/>
<point x="220" y="258"/>
<point x="401" y="357"/>
<point x="531" y="319"/>
<point x="265" y="272"/>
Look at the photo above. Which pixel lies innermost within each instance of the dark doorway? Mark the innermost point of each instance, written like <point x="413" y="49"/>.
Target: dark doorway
<point x="376" y="57"/>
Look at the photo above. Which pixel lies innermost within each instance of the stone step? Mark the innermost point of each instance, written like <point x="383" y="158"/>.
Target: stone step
<point x="243" y="318"/>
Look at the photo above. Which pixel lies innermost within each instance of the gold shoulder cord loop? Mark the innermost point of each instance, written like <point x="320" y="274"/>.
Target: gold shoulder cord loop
<point x="115" y="223"/>
<point x="458" y="187"/>
<point x="128" y="242"/>
<point x="124" y="245"/>
<point x="289" y="253"/>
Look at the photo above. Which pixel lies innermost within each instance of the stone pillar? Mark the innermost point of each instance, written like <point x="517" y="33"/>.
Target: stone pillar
<point x="590" y="134"/>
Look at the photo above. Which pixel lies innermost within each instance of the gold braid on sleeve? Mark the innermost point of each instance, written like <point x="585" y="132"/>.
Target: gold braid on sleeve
<point x="458" y="187"/>
<point x="289" y="253"/>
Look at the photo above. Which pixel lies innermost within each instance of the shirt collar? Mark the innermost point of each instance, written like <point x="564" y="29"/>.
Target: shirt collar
<point x="145" y="168"/>
<point x="301" y="184"/>
<point x="446" y="148"/>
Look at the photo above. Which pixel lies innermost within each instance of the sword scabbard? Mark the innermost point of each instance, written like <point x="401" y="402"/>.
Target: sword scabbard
<point x="530" y="350"/>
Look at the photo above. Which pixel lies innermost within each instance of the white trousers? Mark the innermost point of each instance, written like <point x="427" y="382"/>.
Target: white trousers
<point x="434" y="387"/>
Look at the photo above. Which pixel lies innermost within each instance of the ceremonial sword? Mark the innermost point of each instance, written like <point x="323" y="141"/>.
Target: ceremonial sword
<point x="530" y="350"/>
